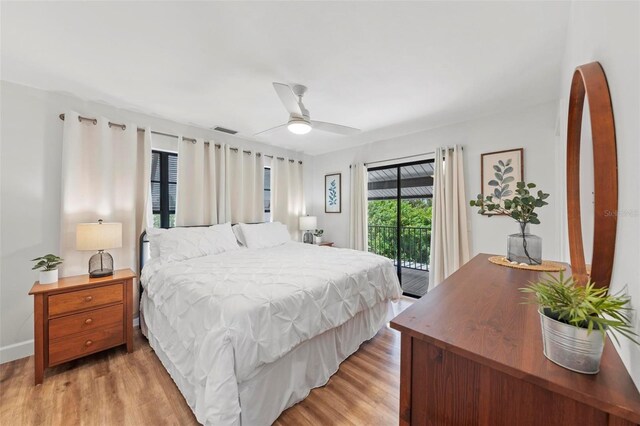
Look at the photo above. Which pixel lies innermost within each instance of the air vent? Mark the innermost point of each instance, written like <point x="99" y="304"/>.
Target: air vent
<point x="223" y="130"/>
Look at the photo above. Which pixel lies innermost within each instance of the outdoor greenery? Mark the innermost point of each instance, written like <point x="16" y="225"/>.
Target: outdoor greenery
<point x="415" y="220"/>
<point x="156" y="220"/>
<point x="48" y="262"/>
<point x="583" y="306"/>
<point x="412" y="212"/>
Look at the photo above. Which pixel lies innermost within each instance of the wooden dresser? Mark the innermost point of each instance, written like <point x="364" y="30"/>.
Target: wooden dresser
<point x="471" y="354"/>
<point x="78" y="316"/>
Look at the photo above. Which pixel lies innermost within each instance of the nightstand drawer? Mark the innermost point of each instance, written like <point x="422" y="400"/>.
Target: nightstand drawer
<point x="69" y="348"/>
<point x="85" y="321"/>
<point x="85" y="299"/>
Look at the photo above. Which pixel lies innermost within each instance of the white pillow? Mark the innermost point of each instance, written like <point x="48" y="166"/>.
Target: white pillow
<point x="237" y="231"/>
<point x="264" y="235"/>
<point x="185" y="243"/>
<point x="223" y="238"/>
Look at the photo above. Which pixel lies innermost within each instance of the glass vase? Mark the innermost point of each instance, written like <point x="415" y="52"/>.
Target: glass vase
<point x="524" y="247"/>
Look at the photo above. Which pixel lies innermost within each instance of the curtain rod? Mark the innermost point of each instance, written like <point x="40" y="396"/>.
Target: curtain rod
<point x="407" y="156"/>
<point x="124" y="126"/>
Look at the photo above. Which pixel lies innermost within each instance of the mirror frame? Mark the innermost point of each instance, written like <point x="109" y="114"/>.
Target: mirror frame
<point x="590" y="80"/>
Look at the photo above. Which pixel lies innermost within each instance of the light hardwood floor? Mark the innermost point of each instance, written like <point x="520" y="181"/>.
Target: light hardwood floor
<point x="116" y="388"/>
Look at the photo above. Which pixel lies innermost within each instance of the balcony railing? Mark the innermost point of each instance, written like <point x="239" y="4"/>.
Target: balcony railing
<point x="414" y="244"/>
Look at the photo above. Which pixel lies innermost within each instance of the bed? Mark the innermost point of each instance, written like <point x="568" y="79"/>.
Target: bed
<point x="247" y="333"/>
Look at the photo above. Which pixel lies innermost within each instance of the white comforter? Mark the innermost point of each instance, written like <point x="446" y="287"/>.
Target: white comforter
<point x="233" y="312"/>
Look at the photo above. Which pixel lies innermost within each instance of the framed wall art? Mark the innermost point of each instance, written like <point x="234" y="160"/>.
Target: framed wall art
<point x="333" y="193"/>
<point x="500" y="171"/>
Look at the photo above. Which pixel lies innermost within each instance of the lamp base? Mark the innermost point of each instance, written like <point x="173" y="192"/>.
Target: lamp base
<point x="100" y="265"/>
<point x="307" y="238"/>
<point x="101" y="273"/>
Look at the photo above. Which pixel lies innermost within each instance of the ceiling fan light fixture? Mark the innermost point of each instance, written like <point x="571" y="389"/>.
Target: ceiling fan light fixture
<point x="299" y="127"/>
<point x="299" y="119"/>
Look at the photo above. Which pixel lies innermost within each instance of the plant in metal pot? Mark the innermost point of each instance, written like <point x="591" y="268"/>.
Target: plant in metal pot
<point x="575" y="320"/>
<point x="522" y="247"/>
<point x="48" y="266"/>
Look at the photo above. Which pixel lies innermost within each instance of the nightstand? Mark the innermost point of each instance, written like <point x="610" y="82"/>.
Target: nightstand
<point x="328" y="244"/>
<point x="78" y="316"/>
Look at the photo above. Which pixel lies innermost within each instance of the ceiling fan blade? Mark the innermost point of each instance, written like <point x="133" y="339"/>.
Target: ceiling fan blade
<point x="334" y="128"/>
<point x="268" y="130"/>
<point x="288" y="98"/>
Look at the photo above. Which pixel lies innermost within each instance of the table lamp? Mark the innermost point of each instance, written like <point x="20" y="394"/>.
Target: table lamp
<point x="99" y="236"/>
<point x="308" y="223"/>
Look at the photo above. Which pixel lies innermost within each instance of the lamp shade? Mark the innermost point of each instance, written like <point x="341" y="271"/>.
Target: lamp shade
<point x="98" y="236"/>
<point x="308" y="222"/>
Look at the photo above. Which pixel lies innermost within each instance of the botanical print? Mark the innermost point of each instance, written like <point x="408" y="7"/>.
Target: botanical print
<point x="333" y="193"/>
<point x="502" y="179"/>
<point x="332" y="196"/>
<point x="500" y="172"/>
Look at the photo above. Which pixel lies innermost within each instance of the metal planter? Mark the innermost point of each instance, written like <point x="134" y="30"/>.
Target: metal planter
<point x="571" y="347"/>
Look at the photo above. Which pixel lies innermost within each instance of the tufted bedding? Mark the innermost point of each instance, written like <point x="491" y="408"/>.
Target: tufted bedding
<point x="226" y="316"/>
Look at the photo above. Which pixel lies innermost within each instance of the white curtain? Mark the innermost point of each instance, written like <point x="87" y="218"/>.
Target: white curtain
<point x="144" y="203"/>
<point x="287" y="194"/>
<point x="218" y="184"/>
<point x="105" y="175"/>
<point x="201" y="193"/>
<point x="358" y="212"/>
<point x="449" y="234"/>
<point x="244" y="186"/>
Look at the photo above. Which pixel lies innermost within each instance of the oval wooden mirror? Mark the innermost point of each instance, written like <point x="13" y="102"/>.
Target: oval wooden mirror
<point x="590" y="80"/>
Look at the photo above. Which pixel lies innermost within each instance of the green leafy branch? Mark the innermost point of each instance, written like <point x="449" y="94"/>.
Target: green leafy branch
<point x="521" y="207"/>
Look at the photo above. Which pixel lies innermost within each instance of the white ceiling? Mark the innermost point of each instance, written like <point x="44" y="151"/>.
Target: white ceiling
<point x="388" y="68"/>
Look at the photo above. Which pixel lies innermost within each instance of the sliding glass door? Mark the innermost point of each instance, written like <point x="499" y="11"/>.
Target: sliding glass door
<point x="400" y="220"/>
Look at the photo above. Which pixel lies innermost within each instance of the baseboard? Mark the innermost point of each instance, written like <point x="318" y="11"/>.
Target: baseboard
<point x="16" y="351"/>
<point x="24" y="349"/>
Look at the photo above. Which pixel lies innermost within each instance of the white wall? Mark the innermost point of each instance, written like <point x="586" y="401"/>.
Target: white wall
<point x="609" y="32"/>
<point x="30" y="161"/>
<point x="532" y="129"/>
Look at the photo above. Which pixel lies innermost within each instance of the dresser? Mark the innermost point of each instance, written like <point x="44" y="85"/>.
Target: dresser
<point x="471" y="354"/>
<point x="78" y="316"/>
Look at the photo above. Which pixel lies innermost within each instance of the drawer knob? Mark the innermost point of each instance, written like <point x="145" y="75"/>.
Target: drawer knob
<point x="88" y="343"/>
<point x="88" y="298"/>
<point x="88" y="321"/>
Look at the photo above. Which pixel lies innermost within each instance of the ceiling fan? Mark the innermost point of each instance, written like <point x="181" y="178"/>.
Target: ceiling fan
<point x="300" y="122"/>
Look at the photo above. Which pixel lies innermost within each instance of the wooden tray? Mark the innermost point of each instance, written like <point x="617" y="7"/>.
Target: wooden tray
<point x="547" y="265"/>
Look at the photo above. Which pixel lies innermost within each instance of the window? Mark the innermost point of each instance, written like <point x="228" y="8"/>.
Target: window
<point x="267" y="194"/>
<point x="400" y="220"/>
<point x="164" y="178"/>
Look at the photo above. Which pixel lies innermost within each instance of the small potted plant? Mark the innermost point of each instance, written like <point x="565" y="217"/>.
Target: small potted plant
<point x="48" y="266"/>
<point x="523" y="247"/>
<point x="317" y="234"/>
<point x="575" y="320"/>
